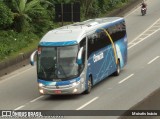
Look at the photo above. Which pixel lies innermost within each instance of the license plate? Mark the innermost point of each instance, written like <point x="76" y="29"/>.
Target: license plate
<point x="57" y="92"/>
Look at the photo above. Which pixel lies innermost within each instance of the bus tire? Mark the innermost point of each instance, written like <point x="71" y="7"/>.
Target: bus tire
<point x="117" y="72"/>
<point x="89" y="86"/>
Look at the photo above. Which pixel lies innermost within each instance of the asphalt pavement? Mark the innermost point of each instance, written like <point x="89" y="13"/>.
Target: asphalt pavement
<point x="133" y="88"/>
<point x="150" y="104"/>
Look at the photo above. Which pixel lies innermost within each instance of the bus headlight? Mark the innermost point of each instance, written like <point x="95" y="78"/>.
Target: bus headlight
<point x="41" y="91"/>
<point x="75" y="84"/>
<point x="75" y="90"/>
<point x="40" y="85"/>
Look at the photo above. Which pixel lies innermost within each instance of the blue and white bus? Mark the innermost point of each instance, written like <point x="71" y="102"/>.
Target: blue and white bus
<point x="73" y="58"/>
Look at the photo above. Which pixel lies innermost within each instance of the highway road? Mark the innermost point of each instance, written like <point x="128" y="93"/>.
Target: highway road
<point x="140" y="77"/>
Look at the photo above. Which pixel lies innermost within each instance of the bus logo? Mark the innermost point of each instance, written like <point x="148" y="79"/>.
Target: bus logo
<point x="98" y="57"/>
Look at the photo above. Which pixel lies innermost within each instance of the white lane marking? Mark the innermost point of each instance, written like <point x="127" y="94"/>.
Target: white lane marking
<point x="156" y="26"/>
<point x="142" y="39"/>
<point x="126" y="78"/>
<point x="151" y="30"/>
<point x="87" y="103"/>
<point x="153" y="59"/>
<point x="133" y="11"/>
<point x="132" y="42"/>
<point x="36" y="99"/>
<point x="145" y="30"/>
<point x="147" y="34"/>
<point x="16" y="74"/>
<point x="18" y="108"/>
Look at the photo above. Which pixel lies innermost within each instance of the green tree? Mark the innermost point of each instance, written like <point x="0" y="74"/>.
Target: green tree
<point x="62" y="1"/>
<point x="22" y="10"/>
<point x="6" y="16"/>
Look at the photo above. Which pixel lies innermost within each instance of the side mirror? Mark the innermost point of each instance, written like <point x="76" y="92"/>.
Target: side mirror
<point x="79" y="59"/>
<point x="32" y="57"/>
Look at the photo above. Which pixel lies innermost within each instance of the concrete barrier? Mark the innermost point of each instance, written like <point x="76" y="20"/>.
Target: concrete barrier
<point x="10" y="65"/>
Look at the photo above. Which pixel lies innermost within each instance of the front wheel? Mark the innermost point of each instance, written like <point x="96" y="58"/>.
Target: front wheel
<point x="89" y="86"/>
<point x="117" y="72"/>
<point x="143" y="13"/>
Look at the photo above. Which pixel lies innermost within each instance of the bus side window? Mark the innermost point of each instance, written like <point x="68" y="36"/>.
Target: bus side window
<point x="90" y="45"/>
<point x="83" y="44"/>
<point x="104" y="40"/>
<point x="117" y="31"/>
<point x="120" y="31"/>
<point x="96" y="41"/>
<point x="92" y="40"/>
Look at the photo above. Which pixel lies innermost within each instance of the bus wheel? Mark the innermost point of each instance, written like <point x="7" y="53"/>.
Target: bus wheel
<point x="89" y="86"/>
<point x="117" y="72"/>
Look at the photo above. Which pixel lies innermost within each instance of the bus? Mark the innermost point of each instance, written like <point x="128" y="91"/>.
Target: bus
<point x="73" y="58"/>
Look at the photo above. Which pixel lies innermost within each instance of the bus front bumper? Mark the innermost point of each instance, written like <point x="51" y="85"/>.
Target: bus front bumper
<point x="74" y="88"/>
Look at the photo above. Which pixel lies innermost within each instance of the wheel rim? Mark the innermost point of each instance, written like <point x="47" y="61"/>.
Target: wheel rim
<point x="89" y="85"/>
<point x="118" y="68"/>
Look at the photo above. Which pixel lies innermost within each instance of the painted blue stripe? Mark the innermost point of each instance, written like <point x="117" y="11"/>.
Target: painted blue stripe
<point x="58" y="43"/>
<point x="60" y="83"/>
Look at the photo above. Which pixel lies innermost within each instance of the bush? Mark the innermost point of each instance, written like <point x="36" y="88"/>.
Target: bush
<point x="13" y="42"/>
<point x="41" y="22"/>
<point x="6" y="16"/>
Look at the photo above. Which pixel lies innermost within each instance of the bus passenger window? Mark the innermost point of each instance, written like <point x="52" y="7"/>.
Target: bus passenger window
<point x="83" y="44"/>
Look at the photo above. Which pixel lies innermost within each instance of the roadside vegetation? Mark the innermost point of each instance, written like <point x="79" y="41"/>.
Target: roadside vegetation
<point x="24" y="22"/>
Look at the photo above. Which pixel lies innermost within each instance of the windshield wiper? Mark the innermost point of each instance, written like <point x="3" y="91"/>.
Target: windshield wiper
<point x="61" y="70"/>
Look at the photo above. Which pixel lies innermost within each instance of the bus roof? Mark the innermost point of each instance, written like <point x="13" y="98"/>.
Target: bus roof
<point x="74" y="33"/>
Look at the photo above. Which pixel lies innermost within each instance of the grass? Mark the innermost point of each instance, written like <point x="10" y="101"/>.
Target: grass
<point x="31" y="47"/>
<point x="118" y="6"/>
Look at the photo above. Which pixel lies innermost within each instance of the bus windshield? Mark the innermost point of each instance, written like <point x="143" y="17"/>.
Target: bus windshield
<point x="57" y="63"/>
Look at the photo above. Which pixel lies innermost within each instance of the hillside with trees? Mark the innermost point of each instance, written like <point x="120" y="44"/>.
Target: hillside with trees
<point x="24" y="22"/>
